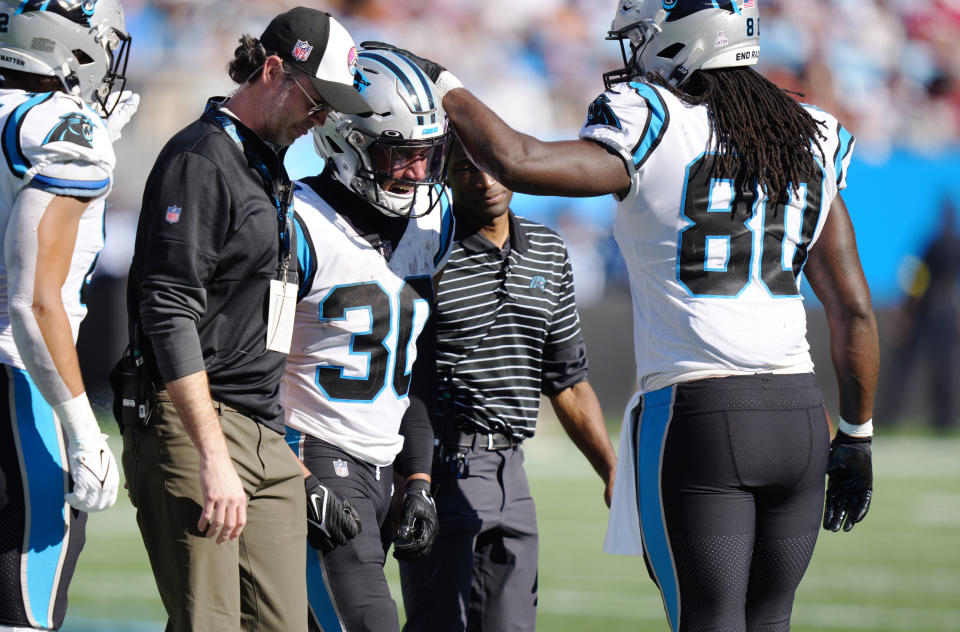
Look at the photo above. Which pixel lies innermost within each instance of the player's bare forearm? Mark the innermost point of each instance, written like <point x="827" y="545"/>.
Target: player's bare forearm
<point x="579" y="412"/>
<point x="836" y="276"/>
<point x="526" y="164"/>
<point x="56" y="238"/>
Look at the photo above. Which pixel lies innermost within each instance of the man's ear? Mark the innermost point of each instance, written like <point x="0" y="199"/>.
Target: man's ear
<point x="273" y="69"/>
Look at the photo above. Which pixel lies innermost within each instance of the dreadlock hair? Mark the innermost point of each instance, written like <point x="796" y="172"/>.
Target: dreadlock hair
<point x="772" y="146"/>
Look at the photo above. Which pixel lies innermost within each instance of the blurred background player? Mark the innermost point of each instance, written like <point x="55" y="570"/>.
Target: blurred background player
<point x="507" y="331"/>
<point x="926" y="329"/>
<point x="57" y="60"/>
<point x="720" y="210"/>
<point x="373" y="228"/>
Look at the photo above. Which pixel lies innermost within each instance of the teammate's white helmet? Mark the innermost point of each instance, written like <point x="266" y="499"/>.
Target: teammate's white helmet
<point x="84" y="43"/>
<point x="408" y="124"/>
<point x="676" y="37"/>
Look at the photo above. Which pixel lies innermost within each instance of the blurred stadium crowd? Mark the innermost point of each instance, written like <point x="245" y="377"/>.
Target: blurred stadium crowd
<point x="890" y="69"/>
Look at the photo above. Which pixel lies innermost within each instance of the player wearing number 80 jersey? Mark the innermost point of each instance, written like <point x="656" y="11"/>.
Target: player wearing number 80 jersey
<point x="373" y="230"/>
<point x="728" y="259"/>
<point x="728" y="190"/>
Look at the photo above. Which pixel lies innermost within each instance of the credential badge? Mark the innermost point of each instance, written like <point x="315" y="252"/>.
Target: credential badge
<point x="340" y="467"/>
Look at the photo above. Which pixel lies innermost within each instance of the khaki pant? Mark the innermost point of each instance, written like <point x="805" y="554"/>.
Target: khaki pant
<point x="255" y="582"/>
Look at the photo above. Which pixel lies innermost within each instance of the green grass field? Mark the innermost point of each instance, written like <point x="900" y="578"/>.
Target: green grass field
<point x="897" y="571"/>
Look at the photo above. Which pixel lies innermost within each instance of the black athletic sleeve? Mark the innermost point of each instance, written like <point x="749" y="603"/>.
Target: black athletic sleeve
<point x="564" y="361"/>
<point x="563" y="369"/>
<point x="417" y="424"/>
<point x="185" y="213"/>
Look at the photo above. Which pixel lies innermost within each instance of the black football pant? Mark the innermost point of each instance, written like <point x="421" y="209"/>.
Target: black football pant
<point x="347" y="588"/>
<point x="730" y="490"/>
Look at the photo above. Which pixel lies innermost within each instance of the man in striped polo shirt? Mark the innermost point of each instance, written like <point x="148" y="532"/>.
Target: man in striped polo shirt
<point x="507" y="331"/>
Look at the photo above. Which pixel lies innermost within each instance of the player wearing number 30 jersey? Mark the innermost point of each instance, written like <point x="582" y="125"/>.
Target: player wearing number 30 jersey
<point x="355" y="340"/>
<point x="373" y="230"/>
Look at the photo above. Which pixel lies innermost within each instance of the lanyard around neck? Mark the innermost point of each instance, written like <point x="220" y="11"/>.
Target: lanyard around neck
<point x="278" y="188"/>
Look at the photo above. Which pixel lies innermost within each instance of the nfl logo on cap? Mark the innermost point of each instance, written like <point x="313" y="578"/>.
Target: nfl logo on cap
<point x="302" y="50"/>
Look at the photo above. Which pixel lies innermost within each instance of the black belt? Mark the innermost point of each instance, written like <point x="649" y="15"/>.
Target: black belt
<point x="478" y="439"/>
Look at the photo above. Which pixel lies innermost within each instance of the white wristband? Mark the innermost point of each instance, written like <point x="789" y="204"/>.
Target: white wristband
<point x="446" y="82"/>
<point x="77" y="418"/>
<point x="859" y="431"/>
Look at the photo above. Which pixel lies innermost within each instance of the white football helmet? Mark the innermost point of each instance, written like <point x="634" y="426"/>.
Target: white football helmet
<point x="676" y="37"/>
<point x="398" y="152"/>
<point x="84" y="43"/>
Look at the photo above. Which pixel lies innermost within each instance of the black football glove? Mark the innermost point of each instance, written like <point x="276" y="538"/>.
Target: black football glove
<point x="417" y="528"/>
<point x="849" y="482"/>
<point x="331" y="520"/>
<point x="431" y="68"/>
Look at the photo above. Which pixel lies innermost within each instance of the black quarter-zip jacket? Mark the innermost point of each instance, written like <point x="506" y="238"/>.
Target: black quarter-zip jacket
<point x="207" y="247"/>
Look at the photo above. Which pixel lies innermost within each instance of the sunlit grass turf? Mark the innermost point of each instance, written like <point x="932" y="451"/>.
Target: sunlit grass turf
<point x="898" y="571"/>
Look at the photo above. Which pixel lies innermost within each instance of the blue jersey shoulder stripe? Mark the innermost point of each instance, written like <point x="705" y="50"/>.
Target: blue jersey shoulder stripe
<point x="52" y="184"/>
<point x="10" y="138"/>
<point x="656" y="125"/>
<point x="843" y="149"/>
<point x="306" y="258"/>
<point x="446" y="226"/>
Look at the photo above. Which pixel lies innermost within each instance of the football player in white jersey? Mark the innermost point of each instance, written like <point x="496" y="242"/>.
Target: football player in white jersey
<point x="728" y="194"/>
<point x="373" y="230"/>
<point x="61" y="108"/>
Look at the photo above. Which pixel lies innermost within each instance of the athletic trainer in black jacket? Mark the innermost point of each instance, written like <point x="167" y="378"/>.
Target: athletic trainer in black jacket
<point x="220" y="498"/>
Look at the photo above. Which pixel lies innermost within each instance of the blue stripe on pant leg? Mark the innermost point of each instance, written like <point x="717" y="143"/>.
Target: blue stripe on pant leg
<point x="655" y="416"/>
<point x="321" y="601"/>
<point x="45" y="482"/>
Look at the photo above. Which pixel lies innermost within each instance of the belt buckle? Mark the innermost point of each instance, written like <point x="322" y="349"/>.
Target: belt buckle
<point x="490" y="441"/>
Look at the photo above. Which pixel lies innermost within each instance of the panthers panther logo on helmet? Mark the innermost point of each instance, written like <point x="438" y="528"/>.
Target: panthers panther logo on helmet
<point x="74" y="127"/>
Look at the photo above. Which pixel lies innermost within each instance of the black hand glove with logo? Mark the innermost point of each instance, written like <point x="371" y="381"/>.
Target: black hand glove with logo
<point x="418" y="524"/>
<point x="331" y="520"/>
<point x="849" y="482"/>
